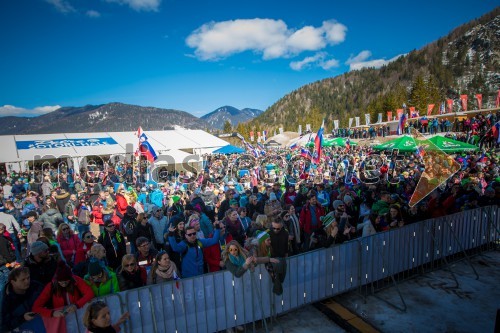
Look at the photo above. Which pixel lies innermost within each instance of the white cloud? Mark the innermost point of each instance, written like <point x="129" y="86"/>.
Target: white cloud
<point x="93" y="13"/>
<point x="140" y="5"/>
<point x="318" y="60"/>
<point x="11" y="110"/>
<point x="62" y="6"/>
<point x="360" y="61"/>
<point x="271" y="38"/>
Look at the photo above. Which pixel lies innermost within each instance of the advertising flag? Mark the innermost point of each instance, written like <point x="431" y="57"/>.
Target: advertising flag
<point x="479" y="98"/>
<point x="400" y="113"/>
<point x="379" y="120"/>
<point x="251" y="136"/>
<point x="449" y="103"/>
<point x="336" y="124"/>
<point x="430" y="107"/>
<point x="497" y="102"/>
<point x="367" y="119"/>
<point x="389" y="115"/>
<point x="463" y="99"/>
<point x="350" y="122"/>
<point x="357" y="121"/>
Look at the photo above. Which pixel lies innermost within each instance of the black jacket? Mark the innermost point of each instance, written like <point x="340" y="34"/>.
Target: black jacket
<point x="42" y="272"/>
<point x="14" y="306"/>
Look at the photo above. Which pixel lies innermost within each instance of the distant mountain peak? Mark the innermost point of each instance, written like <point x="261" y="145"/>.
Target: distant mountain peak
<point x="225" y="113"/>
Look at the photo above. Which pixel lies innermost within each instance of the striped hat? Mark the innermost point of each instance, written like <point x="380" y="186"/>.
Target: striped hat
<point x="327" y="220"/>
<point x="262" y="236"/>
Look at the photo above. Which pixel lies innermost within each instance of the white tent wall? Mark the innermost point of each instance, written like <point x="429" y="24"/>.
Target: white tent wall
<point x="74" y="147"/>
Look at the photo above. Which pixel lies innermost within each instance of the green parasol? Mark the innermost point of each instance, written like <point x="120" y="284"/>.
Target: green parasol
<point x="451" y="146"/>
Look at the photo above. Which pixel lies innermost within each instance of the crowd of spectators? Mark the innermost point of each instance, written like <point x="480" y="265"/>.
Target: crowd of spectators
<point x="69" y="237"/>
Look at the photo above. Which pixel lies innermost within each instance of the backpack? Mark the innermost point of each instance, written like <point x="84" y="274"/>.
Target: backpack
<point x="200" y="245"/>
<point x="129" y="226"/>
<point x="157" y="198"/>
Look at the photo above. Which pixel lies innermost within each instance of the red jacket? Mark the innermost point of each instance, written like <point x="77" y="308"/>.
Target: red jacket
<point x="69" y="247"/>
<point x="82" y="294"/>
<point x="97" y="212"/>
<point x="81" y="252"/>
<point x="120" y="209"/>
<point x="305" y="218"/>
<point x="212" y="254"/>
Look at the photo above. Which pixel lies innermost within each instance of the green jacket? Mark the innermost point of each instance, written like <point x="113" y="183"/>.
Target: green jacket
<point x="106" y="288"/>
<point x="380" y="207"/>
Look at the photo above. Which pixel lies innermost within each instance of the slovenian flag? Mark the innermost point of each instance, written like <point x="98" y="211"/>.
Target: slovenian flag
<point x="294" y="146"/>
<point x="305" y="153"/>
<point x="420" y="151"/>
<point x="401" y="124"/>
<point x="347" y="144"/>
<point x="148" y="151"/>
<point x="318" y="141"/>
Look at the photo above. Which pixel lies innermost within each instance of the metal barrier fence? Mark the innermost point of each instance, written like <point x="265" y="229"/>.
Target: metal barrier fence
<point x="217" y="301"/>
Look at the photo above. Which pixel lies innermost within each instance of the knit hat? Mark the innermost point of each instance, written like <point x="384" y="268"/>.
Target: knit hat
<point x="63" y="272"/>
<point x="94" y="268"/>
<point x="176" y="198"/>
<point x="2" y="208"/>
<point x="233" y="202"/>
<point x="262" y="236"/>
<point x="38" y="247"/>
<point x="272" y="196"/>
<point x="141" y="240"/>
<point x="337" y="203"/>
<point x="31" y="213"/>
<point x="327" y="220"/>
<point x="131" y="210"/>
<point x="347" y="199"/>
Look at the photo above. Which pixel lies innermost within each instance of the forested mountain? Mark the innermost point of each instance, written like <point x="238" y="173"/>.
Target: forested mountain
<point x="467" y="61"/>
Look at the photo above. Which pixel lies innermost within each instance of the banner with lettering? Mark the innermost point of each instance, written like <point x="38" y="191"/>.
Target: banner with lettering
<point x="300" y="129"/>
<point x="430" y="107"/>
<point x="379" y="120"/>
<point x="258" y="136"/>
<point x="350" y="122"/>
<point x="63" y="143"/>
<point x="449" y="104"/>
<point x="336" y="124"/>
<point x="357" y="121"/>
<point x="479" y="98"/>
<point x="251" y="136"/>
<point x="463" y="99"/>
<point x="367" y="119"/>
<point x="389" y="115"/>
<point x="308" y="127"/>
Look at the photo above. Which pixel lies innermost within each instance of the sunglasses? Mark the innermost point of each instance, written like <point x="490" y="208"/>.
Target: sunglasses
<point x="130" y="265"/>
<point x="65" y="229"/>
<point x="191" y="234"/>
<point x="89" y="236"/>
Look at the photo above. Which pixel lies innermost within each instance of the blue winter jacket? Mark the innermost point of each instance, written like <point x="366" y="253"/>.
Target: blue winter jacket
<point x="192" y="255"/>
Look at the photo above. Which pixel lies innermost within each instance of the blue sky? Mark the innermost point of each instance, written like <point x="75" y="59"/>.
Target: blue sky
<point x="196" y="56"/>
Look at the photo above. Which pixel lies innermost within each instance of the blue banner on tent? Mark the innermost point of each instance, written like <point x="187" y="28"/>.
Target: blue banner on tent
<point x="62" y="143"/>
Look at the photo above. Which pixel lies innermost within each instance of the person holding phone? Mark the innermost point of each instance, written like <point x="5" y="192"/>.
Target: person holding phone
<point x="18" y="298"/>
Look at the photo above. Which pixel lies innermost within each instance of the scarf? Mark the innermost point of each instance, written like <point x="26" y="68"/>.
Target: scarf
<point x="238" y="261"/>
<point x="168" y="273"/>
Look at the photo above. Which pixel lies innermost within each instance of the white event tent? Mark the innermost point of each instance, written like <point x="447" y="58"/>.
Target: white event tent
<point x="17" y="151"/>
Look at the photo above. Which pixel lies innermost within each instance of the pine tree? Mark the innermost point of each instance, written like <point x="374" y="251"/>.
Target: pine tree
<point x="228" y="128"/>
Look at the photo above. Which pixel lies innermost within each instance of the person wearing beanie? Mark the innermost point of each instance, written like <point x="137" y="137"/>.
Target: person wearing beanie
<point x="42" y="266"/>
<point x="272" y="207"/>
<point x="63" y="295"/>
<point x="101" y="281"/>
<point x="275" y="267"/>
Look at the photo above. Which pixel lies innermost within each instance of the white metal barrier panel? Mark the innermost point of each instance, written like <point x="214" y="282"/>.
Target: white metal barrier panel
<point x="217" y="301"/>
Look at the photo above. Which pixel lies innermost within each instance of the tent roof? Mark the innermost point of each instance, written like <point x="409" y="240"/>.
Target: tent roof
<point x="16" y="148"/>
<point x="229" y="149"/>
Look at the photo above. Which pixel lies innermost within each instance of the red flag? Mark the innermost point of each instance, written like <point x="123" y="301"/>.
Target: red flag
<point x="412" y="112"/>
<point x="400" y="113"/>
<point x="389" y="115"/>
<point x="449" y="102"/>
<point x="479" y="98"/>
<point x="429" y="109"/>
<point x="463" y="99"/>
<point x="318" y="143"/>
<point x="251" y="136"/>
